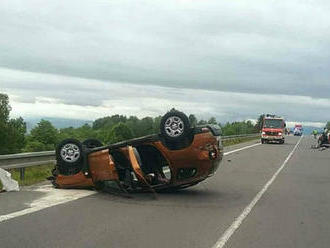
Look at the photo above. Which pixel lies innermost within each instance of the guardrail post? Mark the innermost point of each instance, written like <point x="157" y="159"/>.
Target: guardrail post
<point x="22" y="173"/>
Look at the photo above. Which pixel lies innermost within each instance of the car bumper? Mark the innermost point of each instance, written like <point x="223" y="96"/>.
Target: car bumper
<point x="265" y="137"/>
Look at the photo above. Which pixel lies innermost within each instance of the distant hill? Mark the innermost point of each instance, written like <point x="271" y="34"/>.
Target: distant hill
<point x="57" y="122"/>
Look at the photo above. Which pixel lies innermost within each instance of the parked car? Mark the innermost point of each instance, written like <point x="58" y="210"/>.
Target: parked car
<point x="298" y="130"/>
<point x="178" y="157"/>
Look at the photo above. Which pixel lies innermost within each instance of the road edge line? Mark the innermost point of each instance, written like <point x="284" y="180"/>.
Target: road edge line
<point x="44" y="205"/>
<point x="240" y="149"/>
<point x="239" y="220"/>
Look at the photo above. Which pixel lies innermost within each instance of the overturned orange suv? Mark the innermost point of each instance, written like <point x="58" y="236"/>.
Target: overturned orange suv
<point x="178" y="157"/>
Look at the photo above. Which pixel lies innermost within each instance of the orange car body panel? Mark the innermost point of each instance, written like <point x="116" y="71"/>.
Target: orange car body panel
<point x="196" y="155"/>
<point x="78" y="180"/>
<point x="102" y="167"/>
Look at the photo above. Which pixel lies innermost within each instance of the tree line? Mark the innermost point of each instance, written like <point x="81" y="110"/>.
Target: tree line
<point x="112" y="129"/>
<point x="44" y="136"/>
<point x="12" y="131"/>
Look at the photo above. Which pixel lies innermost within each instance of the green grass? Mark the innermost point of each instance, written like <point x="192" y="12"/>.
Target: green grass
<point x="34" y="174"/>
<point x="38" y="174"/>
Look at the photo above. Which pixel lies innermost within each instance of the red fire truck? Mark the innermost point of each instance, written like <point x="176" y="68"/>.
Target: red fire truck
<point x="273" y="129"/>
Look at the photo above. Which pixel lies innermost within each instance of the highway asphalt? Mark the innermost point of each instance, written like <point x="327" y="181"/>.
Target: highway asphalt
<point x="292" y="211"/>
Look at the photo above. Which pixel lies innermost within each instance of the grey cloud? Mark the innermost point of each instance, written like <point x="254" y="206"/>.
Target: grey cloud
<point x="98" y="98"/>
<point x="259" y="47"/>
<point x="229" y="59"/>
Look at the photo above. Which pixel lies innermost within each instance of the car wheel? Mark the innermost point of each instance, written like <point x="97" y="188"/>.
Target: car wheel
<point x="262" y="141"/>
<point x="69" y="156"/>
<point x="175" y="126"/>
<point x="92" y="143"/>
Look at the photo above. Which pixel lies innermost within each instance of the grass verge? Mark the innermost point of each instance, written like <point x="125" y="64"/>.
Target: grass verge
<point x="235" y="141"/>
<point x="36" y="174"/>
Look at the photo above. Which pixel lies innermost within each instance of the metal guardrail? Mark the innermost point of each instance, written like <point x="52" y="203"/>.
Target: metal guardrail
<point x="240" y="136"/>
<point x="24" y="160"/>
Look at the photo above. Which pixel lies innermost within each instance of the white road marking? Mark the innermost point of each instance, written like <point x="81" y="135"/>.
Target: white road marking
<point x="59" y="196"/>
<point x="238" y="221"/>
<point x="53" y="197"/>
<point x="240" y="149"/>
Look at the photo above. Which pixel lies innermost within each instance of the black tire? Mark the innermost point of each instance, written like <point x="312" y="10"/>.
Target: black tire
<point x="175" y="126"/>
<point x="92" y="143"/>
<point x="69" y="156"/>
<point x="262" y="141"/>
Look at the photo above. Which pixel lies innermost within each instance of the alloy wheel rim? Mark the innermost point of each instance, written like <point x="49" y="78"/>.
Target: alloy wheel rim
<point x="174" y="126"/>
<point x="70" y="153"/>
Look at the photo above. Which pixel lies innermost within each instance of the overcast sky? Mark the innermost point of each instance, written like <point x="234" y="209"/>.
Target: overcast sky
<point x="229" y="59"/>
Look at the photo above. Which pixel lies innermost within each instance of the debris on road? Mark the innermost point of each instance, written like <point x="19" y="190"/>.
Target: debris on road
<point x="8" y="183"/>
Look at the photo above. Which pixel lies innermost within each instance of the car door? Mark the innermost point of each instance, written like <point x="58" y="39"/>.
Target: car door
<point x="133" y="157"/>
